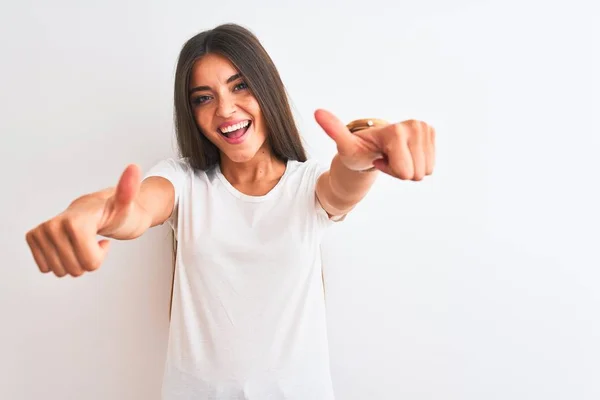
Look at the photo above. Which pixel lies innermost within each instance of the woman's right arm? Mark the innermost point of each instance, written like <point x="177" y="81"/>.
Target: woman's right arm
<point x="66" y="244"/>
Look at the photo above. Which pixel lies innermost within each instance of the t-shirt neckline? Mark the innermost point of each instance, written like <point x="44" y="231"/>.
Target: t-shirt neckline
<point x="247" y="197"/>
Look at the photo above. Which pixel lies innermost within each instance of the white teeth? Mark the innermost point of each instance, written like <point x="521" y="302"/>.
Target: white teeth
<point x="235" y="127"/>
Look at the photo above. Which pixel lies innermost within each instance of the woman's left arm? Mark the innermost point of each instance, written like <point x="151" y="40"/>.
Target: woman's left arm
<point x="404" y="150"/>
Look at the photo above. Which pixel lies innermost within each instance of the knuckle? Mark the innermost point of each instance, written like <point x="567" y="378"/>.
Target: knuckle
<point x="412" y="124"/>
<point x="51" y="227"/>
<point x="33" y="238"/>
<point x="399" y="130"/>
<point x="417" y="128"/>
<point x="70" y="225"/>
<point x="29" y="238"/>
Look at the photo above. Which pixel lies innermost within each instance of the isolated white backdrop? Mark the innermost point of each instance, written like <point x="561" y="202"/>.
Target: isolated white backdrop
<point x="480" y="282"/>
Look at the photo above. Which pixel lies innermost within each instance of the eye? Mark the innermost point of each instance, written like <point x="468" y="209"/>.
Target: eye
<point x="240" y="86"/>
<point x="200" y="99"/>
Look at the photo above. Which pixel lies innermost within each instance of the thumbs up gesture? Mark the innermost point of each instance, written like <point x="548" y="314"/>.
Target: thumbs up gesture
<point x="67" y="244"/>
<point x="404" y="150"/>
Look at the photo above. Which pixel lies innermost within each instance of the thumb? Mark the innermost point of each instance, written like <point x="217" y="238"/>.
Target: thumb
<point x="128" y="186"/>
<point x="336" y="130"/>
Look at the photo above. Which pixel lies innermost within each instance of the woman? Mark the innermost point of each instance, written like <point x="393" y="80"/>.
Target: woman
<point x="248" y="211"/>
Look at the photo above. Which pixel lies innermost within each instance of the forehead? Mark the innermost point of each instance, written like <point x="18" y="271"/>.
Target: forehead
<point x="211" y="69"/>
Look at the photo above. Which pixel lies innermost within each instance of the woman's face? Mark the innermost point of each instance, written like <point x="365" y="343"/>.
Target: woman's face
<point x="225" y="109"/>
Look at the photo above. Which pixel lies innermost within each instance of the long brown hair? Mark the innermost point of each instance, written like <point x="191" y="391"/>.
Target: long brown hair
<point x="243" y="49"/>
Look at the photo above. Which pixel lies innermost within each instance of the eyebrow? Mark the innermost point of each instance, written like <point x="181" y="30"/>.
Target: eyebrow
<point x="229" y="80"/>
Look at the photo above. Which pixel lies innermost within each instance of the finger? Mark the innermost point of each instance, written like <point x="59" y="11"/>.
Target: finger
<point x="48" y="230"/>
<point x="36" y="251"/>
<point x="128" y="186"/>
<point x="88" y="251"/>
<point x="336" y="130"/>
<point x="65" y="249"/>
<point x="399" y="155"/>
<point x="383" y="165"/>
<point x="417" y="151"/>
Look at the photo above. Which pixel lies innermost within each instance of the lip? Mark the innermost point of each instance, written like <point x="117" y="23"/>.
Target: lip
<point x="232" y="122"/>
<point x="240" y="139"/>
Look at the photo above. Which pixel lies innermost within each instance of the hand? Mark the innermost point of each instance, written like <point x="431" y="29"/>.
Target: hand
<point x="404" y="150"/>
<point x="66" y="244"/>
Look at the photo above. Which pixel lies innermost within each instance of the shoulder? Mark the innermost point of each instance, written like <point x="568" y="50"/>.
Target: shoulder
<point x="170" y="164"/>
<point x="175" y="168"/>
<point x="178" y="171"/>
<point x="302" y="184"/>
<point x="302" y="177"/>
<point x="309" y="169"/>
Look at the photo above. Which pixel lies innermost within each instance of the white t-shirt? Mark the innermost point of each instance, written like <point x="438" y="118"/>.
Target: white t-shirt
<point x="248" y="313"/>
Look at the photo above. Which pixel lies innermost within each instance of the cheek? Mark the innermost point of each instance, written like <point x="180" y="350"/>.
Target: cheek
<point x="202" y="120"/>
<point x="249" y="105"/>
<point x="252" y="107"/>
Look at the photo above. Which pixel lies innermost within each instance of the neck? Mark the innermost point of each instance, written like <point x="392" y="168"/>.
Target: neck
<point x="263" y="167"/>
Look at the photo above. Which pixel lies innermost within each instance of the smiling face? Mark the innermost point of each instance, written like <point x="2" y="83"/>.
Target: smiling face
<point x="225" y="109"/>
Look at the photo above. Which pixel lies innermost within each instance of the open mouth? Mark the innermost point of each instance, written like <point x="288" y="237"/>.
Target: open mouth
<point x="234" y="133"/>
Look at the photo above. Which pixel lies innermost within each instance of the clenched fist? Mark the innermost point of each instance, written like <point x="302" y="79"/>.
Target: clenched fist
<point x="67" y="244"/>
<point x="404" y="150"/>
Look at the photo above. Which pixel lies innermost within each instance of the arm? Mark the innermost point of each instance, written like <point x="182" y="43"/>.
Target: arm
<point x="157" y="198"/>
<point x="67" y="243"/>
<point x="340" y="188"/>
<point x="131" y="207"/>
<point x="152" y="206"/>
<point x="405" y="151"/>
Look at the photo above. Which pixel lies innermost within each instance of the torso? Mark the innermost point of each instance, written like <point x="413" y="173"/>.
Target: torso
<point x="248" y="318"/>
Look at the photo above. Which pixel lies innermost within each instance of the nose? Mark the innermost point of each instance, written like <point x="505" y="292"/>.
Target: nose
<point x="226" y="106"/>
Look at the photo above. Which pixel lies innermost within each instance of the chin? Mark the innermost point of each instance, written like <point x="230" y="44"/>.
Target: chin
<point x="243" y="153"/>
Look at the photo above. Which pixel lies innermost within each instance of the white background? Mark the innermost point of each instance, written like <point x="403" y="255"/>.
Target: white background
<point x="480" y="282"/>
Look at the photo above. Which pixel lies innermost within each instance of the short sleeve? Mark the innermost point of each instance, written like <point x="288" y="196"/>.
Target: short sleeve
<point x="314" y="171"/>
<point x="177" y="172"/>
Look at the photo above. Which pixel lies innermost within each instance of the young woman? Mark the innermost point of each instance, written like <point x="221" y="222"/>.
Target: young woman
<point x="248" y="211"/>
